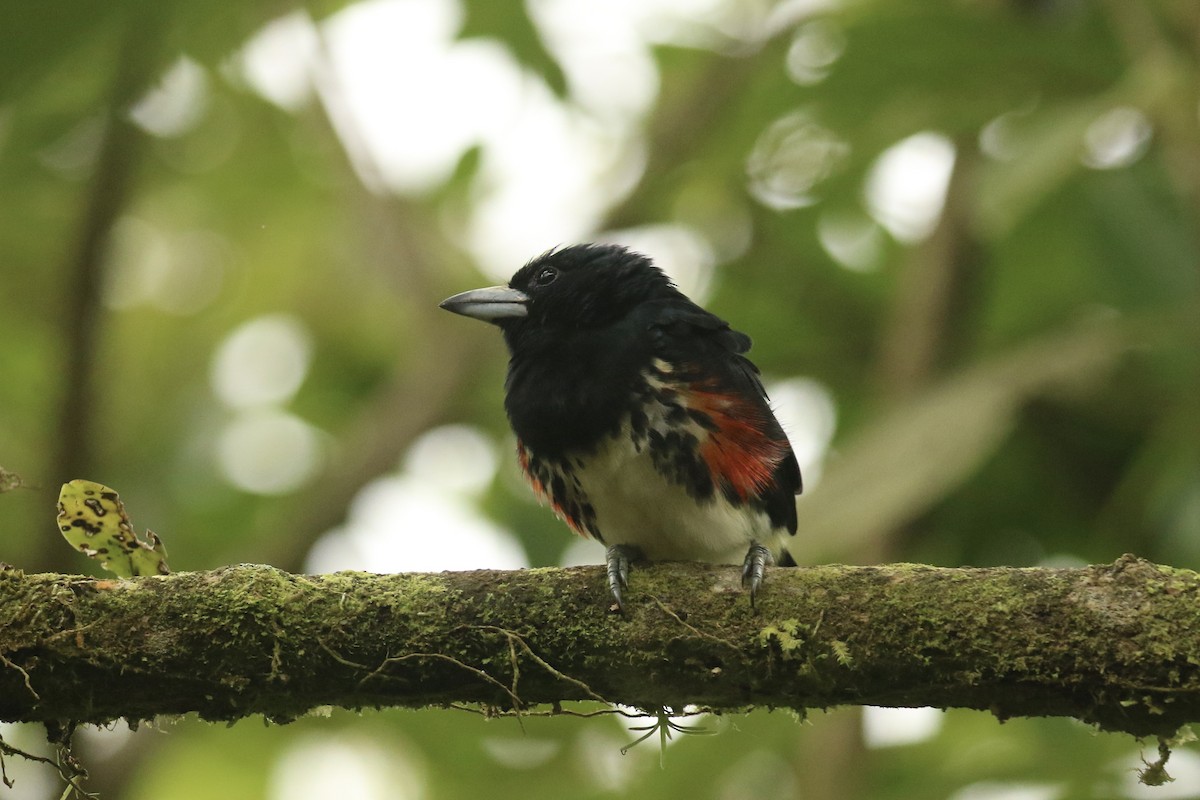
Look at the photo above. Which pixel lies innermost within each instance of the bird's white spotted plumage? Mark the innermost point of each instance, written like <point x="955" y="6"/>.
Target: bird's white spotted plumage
<point x="636" y="505"/>
<point x="620" y="494"/>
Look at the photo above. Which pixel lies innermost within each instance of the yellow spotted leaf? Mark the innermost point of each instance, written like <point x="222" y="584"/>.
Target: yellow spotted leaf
<point x="92" y="518"/>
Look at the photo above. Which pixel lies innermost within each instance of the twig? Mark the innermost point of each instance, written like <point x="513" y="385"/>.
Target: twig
<point x="512" y="636"/>
<point x="69" y="774"/>
<point x="20" y="669"/>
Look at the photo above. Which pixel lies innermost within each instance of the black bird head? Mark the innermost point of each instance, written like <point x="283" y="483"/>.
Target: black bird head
<point x="584" y="286"/>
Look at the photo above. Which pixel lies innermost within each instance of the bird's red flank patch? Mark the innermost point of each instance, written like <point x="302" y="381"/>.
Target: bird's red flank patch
<point x="739" y="451"/>
<point x="539" y="488"/>
<point x="538" y="479"/>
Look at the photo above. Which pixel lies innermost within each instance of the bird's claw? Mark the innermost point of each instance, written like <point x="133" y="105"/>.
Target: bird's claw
<point x="618" y="558"/>
<point x="757" y="559"/>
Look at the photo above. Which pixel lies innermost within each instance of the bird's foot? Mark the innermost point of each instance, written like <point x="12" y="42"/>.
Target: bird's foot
<point x="619" y="557"/>
<point x="757" y="559"/>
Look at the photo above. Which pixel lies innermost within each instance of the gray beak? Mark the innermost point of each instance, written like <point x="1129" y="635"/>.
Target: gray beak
<point x="493" y="304"/>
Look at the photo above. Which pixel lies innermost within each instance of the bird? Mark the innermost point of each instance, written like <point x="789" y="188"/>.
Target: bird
<point x="638" y="417"/>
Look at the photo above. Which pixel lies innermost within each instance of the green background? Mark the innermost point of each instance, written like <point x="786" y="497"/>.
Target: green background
<point x="1020" y="386"/>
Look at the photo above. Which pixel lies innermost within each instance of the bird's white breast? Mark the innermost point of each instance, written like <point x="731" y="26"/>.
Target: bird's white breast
<point x="636" y="505"/>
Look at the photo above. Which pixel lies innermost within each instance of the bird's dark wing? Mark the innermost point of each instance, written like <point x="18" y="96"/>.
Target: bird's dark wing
<point x="745" y="450"/>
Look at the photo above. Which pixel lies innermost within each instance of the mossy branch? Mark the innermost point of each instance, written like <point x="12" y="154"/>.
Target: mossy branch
<point x="1117" y="645"/>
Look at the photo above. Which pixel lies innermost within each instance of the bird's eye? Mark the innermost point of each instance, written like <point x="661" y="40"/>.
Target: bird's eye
<point x="545" y="276"/>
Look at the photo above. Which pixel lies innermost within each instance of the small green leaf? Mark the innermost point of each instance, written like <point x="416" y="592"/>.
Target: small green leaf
<point x="92" y="518"/>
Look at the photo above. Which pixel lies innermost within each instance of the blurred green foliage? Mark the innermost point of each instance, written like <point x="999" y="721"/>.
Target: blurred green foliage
<point x="1019" y="386"/>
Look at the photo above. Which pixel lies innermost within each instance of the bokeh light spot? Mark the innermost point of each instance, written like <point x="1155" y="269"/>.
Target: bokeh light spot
<point x="348" y="767"/>
<point x="176" y="272"/>
<point x="1117" y="139"/>
<point x="808" y="413"/>
<point x="680" y="251"/>
<point x="815" y="47"/>
<point x="408" y="524"/>
<point x="262" y="362"/>
<point x="889" y="727"/>
<point x="177" y="103"/>
<point x="455" y="457"/>
<point x="278" y="61"/>
<point x="854" y="241"/>
<point x="906" y="188"/>
<point x="266" y="451"/>
<point x="790" y="158"/>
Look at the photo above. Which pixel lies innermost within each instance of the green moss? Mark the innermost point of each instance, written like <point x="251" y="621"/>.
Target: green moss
<point x="1018" y="641"/>
<point x="786" y="635"/>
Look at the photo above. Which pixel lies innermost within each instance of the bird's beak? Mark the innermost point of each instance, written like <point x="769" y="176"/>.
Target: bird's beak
<point x="493" y="304"/>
